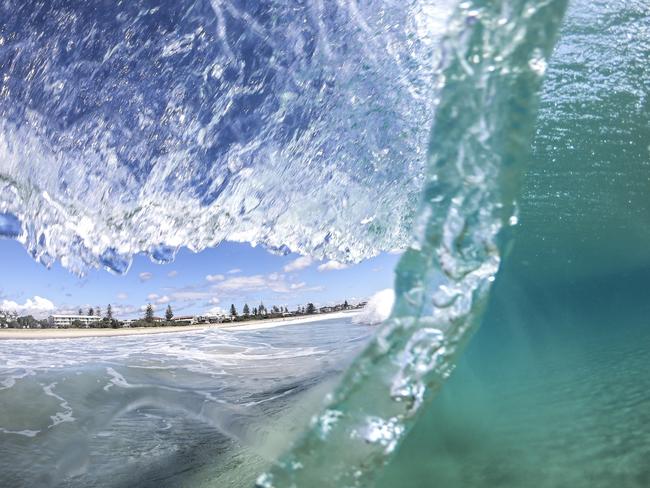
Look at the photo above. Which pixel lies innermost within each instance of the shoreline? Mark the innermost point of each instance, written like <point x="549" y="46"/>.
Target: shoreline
<point x="38" y="334"/>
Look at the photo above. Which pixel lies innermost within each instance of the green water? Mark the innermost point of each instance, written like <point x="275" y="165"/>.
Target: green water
<point x="553" y="391"/>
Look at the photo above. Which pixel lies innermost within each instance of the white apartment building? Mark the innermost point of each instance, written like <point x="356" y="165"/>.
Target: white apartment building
<point x="67" y="320"/>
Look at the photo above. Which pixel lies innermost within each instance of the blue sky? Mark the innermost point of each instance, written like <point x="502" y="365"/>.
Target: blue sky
<point x="194" y="283"/>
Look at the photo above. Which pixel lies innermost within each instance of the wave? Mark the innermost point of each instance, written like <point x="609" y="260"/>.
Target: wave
<point x="495" y="57"/>
<point x="135" y="129"/>
<point x="303" y="127"/>
<point x="378" y="308"/>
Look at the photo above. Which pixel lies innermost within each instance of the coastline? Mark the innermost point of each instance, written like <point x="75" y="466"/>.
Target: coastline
<point x="36" y="334"/>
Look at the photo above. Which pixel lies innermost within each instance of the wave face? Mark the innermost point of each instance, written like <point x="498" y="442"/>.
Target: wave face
<point x="149" y="125"/>
<point x="495" y="57"/>
<point x="302" y="127"/>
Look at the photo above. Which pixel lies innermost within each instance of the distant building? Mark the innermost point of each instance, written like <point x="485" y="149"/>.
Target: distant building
<point x="67" y="320"/>
<point x="8" y="315"/>
<point x="184" y="319"/>
<point x="209" y="319"/>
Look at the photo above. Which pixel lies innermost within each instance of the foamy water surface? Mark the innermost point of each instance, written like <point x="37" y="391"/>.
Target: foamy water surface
<point x="163" y="409"/>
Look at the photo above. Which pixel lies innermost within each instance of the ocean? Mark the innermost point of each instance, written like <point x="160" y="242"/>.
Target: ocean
<point x="502" y="145"/>
<point x="200" y="408"/>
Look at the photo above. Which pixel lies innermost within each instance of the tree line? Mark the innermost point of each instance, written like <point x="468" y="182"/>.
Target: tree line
<point x="149" y="319"/>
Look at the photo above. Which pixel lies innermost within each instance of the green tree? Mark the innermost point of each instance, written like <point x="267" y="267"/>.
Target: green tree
<point x="148" y="314"/>
<point x="169" y="314"/>
<point x="91" y="311"/>
<point x="345" y="305"/>
<point x="247" y="311"/>
<point x="233" y="310"/>
<point x="81" y="312"/>
<point x="255" y="311"/>
<point x="311" y="309"/>
<point x="98" y="311"/>
<point x="109" y="313"/>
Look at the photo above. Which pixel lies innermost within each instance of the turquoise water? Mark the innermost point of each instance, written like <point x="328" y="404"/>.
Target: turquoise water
<point x="553" y="391"/>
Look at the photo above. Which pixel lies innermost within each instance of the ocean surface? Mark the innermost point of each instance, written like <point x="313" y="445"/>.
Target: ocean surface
<point x="207" y="408"/>
<point x="503" y="144"/>
<point x="553" y="391"/>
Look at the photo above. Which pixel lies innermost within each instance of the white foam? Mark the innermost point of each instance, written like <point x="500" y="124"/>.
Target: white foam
<point x="378" y="308"/>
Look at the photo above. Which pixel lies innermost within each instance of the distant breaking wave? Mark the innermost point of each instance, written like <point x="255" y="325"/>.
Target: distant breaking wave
<point x="377" y="309"/>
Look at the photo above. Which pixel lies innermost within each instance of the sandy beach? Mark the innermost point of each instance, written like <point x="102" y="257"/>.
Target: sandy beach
<point x="252" y="325"/>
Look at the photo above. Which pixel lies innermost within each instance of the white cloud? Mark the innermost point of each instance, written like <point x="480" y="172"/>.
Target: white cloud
<point x="34" y="306"/>
<point x="296" y="265"/>
<point x="242" y="283"/>
<point x="215" y="277"/>
<point x="120" y="311"/>
<point x="215" y="311"/>
<point x="332" y="266"/>
<point x="172" y="274"/>
<point x="146" y="276"/>
<point x="190" y="295"/>
<point x="274" y="282"/>
<point x="160" y="300"/>
<point x="122" y="296"/>
<point x="214" y="301"/>
<point x="234" y="271"/>
<point x="297" y="286"/>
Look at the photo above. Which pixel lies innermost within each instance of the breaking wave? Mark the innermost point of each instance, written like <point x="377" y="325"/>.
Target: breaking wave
<point x="377" y="309"/>
<point x="305" y="127"/>
<point x="148" y="126"/>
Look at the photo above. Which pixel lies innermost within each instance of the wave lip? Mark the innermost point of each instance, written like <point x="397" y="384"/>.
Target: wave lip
<point x="197" y="122"/>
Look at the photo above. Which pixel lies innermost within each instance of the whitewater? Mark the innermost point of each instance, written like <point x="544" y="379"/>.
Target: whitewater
<point x="503" y="144"/>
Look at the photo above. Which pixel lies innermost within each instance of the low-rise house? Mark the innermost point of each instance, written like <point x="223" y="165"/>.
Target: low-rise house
<point x="210" y="319"/>
<point x="61" y="320"/>
<point x="184" y="320"/>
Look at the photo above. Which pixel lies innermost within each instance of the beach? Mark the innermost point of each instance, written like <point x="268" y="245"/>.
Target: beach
<point x="28" y="334"/>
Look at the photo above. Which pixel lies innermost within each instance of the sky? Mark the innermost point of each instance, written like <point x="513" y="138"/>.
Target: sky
<point x="195" y="283"/>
